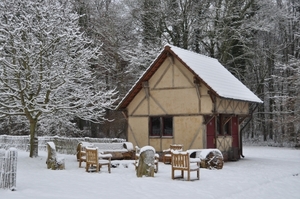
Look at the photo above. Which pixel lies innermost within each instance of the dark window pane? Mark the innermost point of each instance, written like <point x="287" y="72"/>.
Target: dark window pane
<point x="218" y="125"/>
<point x="227" y="128"/>
<point x="168" y="126"/>
<point x="155" y="126"/>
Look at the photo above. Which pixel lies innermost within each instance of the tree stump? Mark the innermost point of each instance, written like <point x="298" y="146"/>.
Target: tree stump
<point x="53" y="162"/>
<point x="146" y="162"/>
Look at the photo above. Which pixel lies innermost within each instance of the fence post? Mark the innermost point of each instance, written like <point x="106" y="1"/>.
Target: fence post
<point x="2" y="160"/>
<point x="8" y="170"/>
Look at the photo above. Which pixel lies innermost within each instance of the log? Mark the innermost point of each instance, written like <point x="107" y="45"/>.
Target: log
<point x="213" y="160"/>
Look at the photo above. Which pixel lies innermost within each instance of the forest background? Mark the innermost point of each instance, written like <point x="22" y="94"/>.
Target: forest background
<point x="256" y="40"/>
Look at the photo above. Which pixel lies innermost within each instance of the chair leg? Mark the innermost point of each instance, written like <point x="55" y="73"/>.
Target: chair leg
<point x="108" y="168"/>
<point x="173" y="174"/>
<point x="80" y="162"/>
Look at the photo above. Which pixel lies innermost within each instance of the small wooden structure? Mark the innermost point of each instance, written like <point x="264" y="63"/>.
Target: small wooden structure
<point x="54" y="162"/>
<point x="188" y="98"/>
<point x="181" y="162"/>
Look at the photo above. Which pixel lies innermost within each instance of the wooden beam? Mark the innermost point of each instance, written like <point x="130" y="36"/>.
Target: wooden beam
<point x="125" y="114"/>
<point x="226" y="119"/>
<point x="213" y="99"/>
<point x="146" y="88"/>
<point x="197" y="86"/>
<point x="208" y="118"/>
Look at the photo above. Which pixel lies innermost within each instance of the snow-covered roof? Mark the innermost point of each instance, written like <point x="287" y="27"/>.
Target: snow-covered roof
<point x="208" y="69"/>
<point x="215" y="75"/>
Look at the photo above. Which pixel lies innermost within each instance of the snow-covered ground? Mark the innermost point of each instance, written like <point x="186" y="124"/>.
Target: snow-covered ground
<point x="265" y="172"/>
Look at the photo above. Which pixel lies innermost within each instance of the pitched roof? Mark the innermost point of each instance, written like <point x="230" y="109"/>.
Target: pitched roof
<point x="209" y="70"/>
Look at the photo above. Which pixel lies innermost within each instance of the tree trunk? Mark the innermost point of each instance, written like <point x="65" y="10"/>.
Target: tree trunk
<point x="33" y="139"/>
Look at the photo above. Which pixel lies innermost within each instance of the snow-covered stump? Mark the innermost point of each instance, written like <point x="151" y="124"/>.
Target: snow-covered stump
<point x="8" y="168"/>
<point x="53" y="162"/>
<point x="146" y="162"/>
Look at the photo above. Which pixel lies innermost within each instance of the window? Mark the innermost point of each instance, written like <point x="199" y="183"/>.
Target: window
<point x="227" y="128"/>
<point x="161" y="126"/>
<point x="222" y="127"/>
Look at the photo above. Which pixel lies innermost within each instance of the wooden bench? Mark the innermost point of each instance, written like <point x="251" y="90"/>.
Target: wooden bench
<point x="119" y="151"/>
<point x="167" y="152"/>
<point x="181" y="161"/>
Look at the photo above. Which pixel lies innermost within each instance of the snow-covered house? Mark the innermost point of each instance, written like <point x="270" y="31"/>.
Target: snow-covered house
<point x="187" y="98"/>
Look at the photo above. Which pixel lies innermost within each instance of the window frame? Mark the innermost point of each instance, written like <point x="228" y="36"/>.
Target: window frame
<point x="163" y="126"/>
<point x="226" y="129"/>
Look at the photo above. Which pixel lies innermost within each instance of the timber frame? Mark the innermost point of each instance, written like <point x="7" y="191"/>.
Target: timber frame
<point x="200" y="116"/>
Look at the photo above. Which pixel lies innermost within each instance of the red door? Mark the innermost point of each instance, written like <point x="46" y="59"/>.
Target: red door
<point x="235" y="131"/>
<point x="210" y="133"/>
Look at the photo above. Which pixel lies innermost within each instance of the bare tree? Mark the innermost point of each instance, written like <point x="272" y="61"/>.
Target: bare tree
<point x="45" y="65"/>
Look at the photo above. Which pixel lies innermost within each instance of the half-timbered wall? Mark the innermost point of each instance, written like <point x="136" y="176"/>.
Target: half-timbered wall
<point x="172" y="91"/>
<point x="224" y="143"/>
<point x="226" y="106"/>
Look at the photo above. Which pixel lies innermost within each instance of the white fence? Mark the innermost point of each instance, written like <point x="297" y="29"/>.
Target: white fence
<point x="8" y="168"/>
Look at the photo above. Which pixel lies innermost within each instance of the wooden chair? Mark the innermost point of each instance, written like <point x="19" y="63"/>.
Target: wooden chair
<point x="181" y="162"/>
<point x="81" y="154"/>
<point x="137" y="156"/>
<point x="167" y="152"/>
<point x="96" y="160"/>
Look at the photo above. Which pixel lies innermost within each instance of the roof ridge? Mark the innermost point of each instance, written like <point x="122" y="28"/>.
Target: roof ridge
<point x="172" y="46"/>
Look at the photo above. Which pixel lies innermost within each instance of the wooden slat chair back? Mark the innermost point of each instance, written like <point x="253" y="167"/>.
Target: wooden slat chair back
<point x="181" y="162"/>
<point x="167" y="152"/>
<point x="93" y="159"/>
